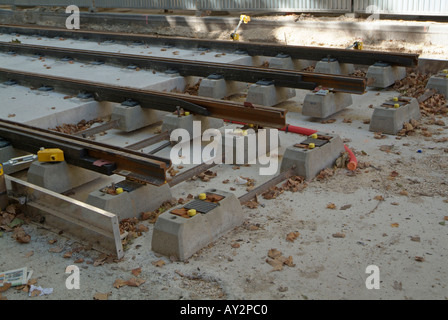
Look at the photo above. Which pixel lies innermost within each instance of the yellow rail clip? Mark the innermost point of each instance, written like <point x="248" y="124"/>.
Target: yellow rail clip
<point x="50" y="155"/>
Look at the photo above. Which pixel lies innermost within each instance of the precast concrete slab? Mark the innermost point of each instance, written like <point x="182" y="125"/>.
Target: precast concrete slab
<point x="323" y="103"/>
<point x="59" y="176"/>
<point x="48" y="109"/>
<point x="265" y="93"/>
<point x="135" y="198"/>
<point x="383" y="75"/>
<point x="312" y="155"/>
<point x="390" y="117"/>
<point x="179" y="234"/>
<point x="439" y="82"/>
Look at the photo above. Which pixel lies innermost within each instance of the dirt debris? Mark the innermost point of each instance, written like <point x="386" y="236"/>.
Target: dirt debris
<point x="293" y="184"/>
<point x="75" y="128"/>
<point x="192" y="89"/>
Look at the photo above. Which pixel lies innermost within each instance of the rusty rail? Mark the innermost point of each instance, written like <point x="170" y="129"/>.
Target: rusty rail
<point x="362" y="57"/>
<point x="263" y="116"/>
<point x="278" y="77"/>
<point x="91" y="155"/>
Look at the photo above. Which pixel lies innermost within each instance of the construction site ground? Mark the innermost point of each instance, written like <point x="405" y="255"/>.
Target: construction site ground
<point x="390" y="212"/>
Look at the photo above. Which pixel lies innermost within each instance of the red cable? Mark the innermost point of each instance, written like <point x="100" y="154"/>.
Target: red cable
<point x="353" y="162"/>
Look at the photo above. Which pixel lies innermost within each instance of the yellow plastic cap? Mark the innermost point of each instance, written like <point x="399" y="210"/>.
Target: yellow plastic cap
<point x="119" y="190"/>
<point x="187" y="113"/>
<point x="396" y="105"/>
<point x="313" y="136"/>
<point x="202" y="196"/>
<point x="395" y="99"/>
<point x="312" y="146"/>
<point x="192" y="212"/>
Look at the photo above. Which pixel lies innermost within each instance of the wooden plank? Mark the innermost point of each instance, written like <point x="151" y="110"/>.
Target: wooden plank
<point x="87" y="223"/>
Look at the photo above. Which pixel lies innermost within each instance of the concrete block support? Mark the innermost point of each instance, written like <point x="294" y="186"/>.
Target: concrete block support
<point x="389" y="119"/>
<point x="266" y="94"/>
<point x="331" y="66"/>
<point x="283" y="61"/>
<point x="173" y="121"/>
<point x="322" y="104"/>
<point x="218" y="87"/>
<point x="180" y="236"/>
<point x="439" y="82"/>
<point x="239" y="148"/>
<point x="135" y="199"/>
<point x="133" y="117"/>
<point x="308" y="161"/>
<point x="384" y="75"/>
<point x="59" y="176"/>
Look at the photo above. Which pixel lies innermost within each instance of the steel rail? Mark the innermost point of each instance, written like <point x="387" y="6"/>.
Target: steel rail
<point x="279" y="77"/>
<point x="229" y="110"/>
<point x="91" y="155"/>
<point x="361" y="57"/>
<point x="265" y="186"/>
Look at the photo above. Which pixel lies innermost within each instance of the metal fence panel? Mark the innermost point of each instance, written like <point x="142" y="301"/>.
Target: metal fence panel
<point x="57" y="3"/>
<point x="148" y="4"/>
<point x="277" y="5"/>
<point x="409" y="7"/>
<point x="217" y="5"/>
